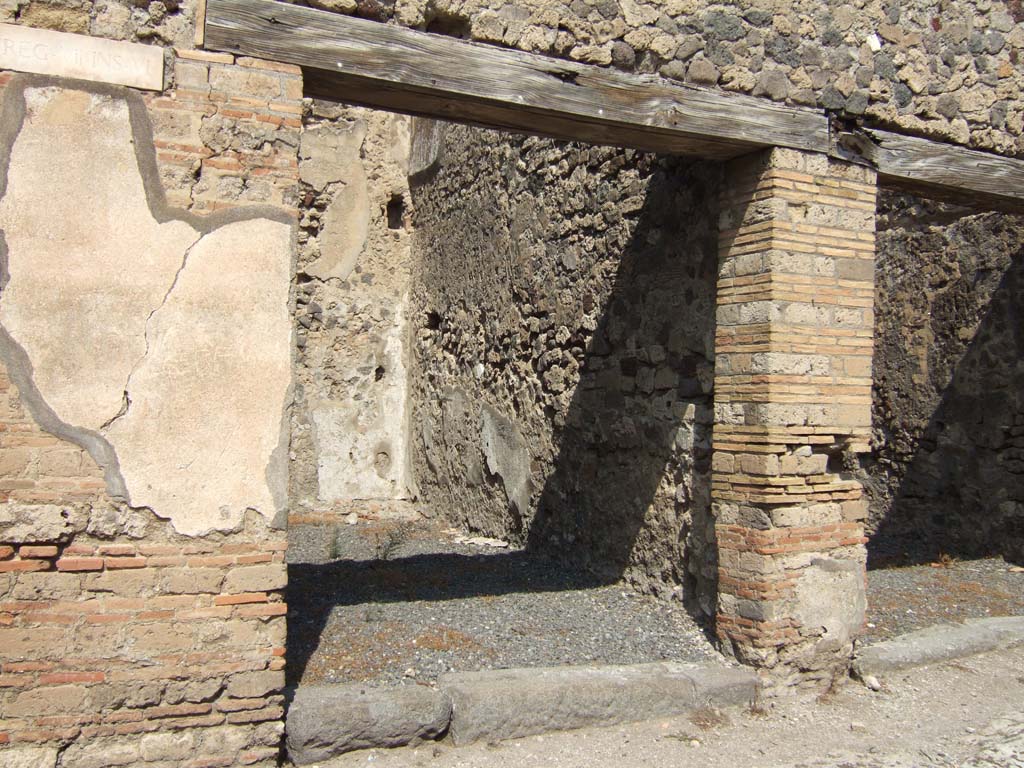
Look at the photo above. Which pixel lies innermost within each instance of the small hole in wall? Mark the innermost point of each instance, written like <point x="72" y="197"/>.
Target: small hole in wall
<point x="433" y="321"/>
<point x="396" y="212"/>
<point x="378" y="374"/>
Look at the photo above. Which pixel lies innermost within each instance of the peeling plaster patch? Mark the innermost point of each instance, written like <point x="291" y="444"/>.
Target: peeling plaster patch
<point x="88" y="261"/>
<point x="110" y="297"/>
<point x="361" y="452"/>
<point x="330" y="156"/>
<point x="215" y="377"/>
<point x="507" y="457"/>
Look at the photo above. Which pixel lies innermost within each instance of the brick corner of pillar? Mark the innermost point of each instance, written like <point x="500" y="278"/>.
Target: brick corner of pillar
<point x="792" y="400"/>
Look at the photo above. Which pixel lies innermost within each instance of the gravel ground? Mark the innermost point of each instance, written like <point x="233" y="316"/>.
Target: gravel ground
<point x="901" y="600"/>
<point x="405" y="601"/>
<point x="394" y="602"/>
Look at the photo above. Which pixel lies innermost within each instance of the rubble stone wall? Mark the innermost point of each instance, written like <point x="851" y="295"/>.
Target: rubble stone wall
<point x="949" y="70"/>
<point x="563" y="321"/>
<point x="163" y="22"/>
<point x="947" y="476"/>
<point x="147" y="355"/>
<point x="350" y="421"/>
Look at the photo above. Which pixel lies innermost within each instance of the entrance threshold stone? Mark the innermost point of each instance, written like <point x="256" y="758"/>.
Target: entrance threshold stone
<point x="509" y="704"/>
<point x="943" y="642"/>
<point x="327" y="720"/>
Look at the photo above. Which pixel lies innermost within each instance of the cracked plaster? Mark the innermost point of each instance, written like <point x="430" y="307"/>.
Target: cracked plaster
<point x="157" y="340"/>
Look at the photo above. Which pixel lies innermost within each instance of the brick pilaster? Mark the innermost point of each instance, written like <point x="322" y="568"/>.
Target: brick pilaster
<point x="792" y="407"/>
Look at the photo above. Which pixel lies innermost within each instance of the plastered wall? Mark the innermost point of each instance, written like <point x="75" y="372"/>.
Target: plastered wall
<point x="349" y="446"/>
<point x="147" y="346"/>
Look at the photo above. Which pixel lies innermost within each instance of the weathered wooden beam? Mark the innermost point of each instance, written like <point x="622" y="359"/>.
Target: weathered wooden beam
<point x="386" y="66"/>
<point x="934" y="169"/>
<point x="391" y="67"/>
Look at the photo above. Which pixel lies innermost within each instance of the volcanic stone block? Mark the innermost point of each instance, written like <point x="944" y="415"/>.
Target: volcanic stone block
<point x="512" y="703"/>
<point x="326" y="720"/>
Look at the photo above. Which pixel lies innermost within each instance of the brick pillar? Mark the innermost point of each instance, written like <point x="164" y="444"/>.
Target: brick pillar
<point x="792" y="408"/>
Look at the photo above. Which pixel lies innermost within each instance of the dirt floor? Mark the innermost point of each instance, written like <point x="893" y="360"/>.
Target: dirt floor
<point x="393" y="601"/>
<point x="968" y="714"/>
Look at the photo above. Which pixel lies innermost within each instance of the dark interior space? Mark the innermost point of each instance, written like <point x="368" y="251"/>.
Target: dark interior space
<point x="947" y="478"/>
<point x="613" y="320"/>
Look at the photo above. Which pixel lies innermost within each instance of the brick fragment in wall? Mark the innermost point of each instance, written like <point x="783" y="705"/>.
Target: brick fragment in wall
<point x="567" y="291"/>
<point x="227" y="134"/>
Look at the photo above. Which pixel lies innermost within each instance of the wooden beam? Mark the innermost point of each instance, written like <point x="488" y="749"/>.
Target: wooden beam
<point x="391" y="67"/>
<point x="200" y="36"/>
<point x="934" y="169"/>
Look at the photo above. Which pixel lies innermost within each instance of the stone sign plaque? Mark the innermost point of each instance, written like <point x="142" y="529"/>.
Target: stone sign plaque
<point x="43" y="52"/>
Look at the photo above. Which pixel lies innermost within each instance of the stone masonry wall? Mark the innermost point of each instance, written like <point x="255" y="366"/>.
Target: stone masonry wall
<point x="947" y="476"/>
<point x="562" y="361"/>
<point x="949" y="70"/>
<point x="350" y="422"/>
<point x="163" y="22"/>
<point x="127" y="639"/>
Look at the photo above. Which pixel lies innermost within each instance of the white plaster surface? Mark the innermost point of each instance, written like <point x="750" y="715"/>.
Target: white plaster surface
<point x="331" y="156"/>
<point x="192" y="333"/>
<point x="88" y="262"/>
<point x="361" y="450"/>
<point x="206" y="403"/>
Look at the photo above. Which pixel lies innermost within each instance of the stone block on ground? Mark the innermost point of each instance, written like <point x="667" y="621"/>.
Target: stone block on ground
<point x="512" y="703"/>
<point x="939" y="643"/>
<point x="327" y="720"/>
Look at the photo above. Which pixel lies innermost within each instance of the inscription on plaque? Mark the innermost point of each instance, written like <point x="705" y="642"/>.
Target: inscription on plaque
<point x="62" y="54"/>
